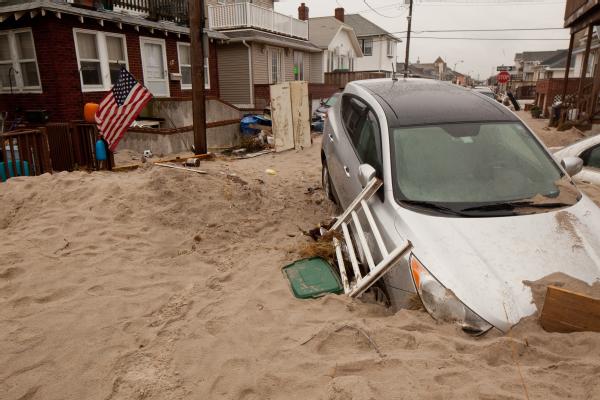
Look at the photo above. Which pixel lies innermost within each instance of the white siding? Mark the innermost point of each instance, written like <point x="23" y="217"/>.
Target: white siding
<point x="379" y="61"/>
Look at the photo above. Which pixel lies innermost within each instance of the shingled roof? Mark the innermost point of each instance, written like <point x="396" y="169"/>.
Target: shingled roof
<point x="363" y="27"/>
<point x="530" y="56"/>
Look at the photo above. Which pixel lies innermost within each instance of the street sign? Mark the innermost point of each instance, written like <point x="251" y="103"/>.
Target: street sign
<point x="503" y="77"/>
<point x="505" y="68"/>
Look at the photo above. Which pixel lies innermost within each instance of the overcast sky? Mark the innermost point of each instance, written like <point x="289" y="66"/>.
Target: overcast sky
<point x="480" y="57"/>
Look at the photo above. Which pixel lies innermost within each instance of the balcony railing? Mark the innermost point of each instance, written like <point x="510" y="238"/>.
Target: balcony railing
<point x="248" y="15"/>
<point x="166" y="10"/>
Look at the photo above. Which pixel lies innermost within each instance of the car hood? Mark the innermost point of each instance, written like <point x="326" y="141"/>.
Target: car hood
<point x="485" y="261"/>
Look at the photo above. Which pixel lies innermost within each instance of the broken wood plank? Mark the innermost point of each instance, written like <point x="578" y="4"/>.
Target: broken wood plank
<point x="182" y="168"/>
<point x="566" y="311"/>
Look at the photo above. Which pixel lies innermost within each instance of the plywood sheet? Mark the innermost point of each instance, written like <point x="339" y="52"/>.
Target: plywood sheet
<point x="300" y="114"/>
<point x="281" y="115"/>
<point x="566" y="311"/>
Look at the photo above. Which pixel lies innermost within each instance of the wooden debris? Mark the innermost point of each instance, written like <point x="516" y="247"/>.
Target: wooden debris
<point x="182" y="168"/>
<point x="566" y="311"/>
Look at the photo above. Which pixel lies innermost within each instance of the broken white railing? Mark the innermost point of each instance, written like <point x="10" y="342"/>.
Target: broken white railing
<point x="361" y="283"/>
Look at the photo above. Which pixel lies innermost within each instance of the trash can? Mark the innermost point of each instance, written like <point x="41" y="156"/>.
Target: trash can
<point x="555" y="112"/>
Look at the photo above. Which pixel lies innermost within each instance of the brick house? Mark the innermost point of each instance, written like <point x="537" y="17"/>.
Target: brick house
<point x="57" y="57"/>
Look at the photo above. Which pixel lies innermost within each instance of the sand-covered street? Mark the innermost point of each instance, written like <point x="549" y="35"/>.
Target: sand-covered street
<point x="163" y="284"/>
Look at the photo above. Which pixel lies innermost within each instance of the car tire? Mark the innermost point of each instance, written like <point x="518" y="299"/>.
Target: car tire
<point x="326" y="183"/>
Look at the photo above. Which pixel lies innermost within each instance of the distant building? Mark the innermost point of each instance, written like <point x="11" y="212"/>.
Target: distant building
<point x="378" y="46"/>
<point x="339" y="45"/>
<point x="437" y="70"/>
<point x="526" y="62"/>
<point x="553" y="66"/>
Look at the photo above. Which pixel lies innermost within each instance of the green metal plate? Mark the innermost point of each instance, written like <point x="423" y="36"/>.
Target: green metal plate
<point x="312" y="277"/>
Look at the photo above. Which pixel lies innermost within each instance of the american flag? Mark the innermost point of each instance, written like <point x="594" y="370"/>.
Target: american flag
<point x="122" y="105"/>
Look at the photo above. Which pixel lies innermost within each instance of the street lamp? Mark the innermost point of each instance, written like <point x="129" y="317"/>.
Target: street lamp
<point x="454" y="69"/>
<point x="456" y="63"/>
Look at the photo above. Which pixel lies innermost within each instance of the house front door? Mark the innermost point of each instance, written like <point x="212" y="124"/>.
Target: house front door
<point x="154" y="63"/>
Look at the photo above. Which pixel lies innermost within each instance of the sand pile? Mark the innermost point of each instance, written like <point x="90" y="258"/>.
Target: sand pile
<point x="159" y="284"/>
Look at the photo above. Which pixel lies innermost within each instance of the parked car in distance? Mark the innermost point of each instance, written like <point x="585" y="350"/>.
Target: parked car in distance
<point x="589" y="151"/>
<point x="321" y="112"/>
<point x="486" y="91"/>
<point x="484" y="204"/>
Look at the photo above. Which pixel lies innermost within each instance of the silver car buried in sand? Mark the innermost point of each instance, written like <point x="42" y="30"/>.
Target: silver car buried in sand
<point x="483" y="202"/>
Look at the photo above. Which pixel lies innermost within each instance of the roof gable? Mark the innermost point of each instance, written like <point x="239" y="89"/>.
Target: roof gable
<point x="364" y="27"/>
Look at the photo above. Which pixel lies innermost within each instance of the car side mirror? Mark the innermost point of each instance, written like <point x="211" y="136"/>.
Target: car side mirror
<point x="365" y="174"/>
<point x="573" y="165"/>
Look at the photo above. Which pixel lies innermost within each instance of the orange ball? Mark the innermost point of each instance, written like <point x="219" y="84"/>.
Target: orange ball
<point x="89" y="112"/>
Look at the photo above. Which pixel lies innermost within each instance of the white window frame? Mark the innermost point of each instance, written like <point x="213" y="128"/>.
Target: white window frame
<point x="15" y="62"/>
<point x="102" y="48"/>
<point x="362" y="46"/>
<point x="206" y="67"/>
<point x="390" y="48"/>
<point x="280" y="62"/>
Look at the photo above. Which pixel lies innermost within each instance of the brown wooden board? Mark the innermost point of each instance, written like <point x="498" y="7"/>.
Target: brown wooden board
<point x="566" y="311"/>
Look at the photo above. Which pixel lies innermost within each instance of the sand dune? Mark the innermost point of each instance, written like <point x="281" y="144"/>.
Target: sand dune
<point x="159" y="284"/>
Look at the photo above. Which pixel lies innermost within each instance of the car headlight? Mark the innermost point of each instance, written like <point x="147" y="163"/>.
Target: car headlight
<point x="442" y="304"/>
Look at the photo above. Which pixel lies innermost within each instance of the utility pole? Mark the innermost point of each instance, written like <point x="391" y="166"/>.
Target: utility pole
<point x="196" y="10"/>
<point x="408" y="39"/>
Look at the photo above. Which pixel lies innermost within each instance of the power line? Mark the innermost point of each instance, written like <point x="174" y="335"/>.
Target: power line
<point x="485" y="30"/>
<point x="378" y="13"/>
<point x="476" y="38"/>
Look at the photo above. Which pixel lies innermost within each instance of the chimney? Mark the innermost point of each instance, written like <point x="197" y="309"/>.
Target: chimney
<point x="339" y="14"/>
<point x="303" y="12"/>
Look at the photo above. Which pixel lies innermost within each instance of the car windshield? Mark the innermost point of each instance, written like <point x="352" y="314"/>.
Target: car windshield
<point x="465" y="166"/>
<point x="330" y="102"/>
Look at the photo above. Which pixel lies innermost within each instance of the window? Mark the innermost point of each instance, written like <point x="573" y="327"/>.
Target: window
<point x="100" y="57"/>
<point x="185" y="67"/>
<point x="390" y="48"/>
<point x="298" y="66"/>
<point x="275" y="64"/>
<point x="18" y="63"/>
<point x="363" y="130"/>
<point x="367" y="46"/>
<point x="591" y="158"/>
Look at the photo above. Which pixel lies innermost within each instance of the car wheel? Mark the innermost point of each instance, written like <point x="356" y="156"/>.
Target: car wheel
<point x="326" y="182"/>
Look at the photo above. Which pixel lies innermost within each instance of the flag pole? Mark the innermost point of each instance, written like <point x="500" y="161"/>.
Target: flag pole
<point x="196" y="10"/>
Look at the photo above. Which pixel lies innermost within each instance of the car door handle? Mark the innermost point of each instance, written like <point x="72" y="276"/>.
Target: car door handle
<point x="347" y="171"/>
<point x="330" y="137"/>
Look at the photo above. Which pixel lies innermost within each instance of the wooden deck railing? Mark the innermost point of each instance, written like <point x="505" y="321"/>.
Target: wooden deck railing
<point x="340" y="79"/>
<point x="24" y="152"/>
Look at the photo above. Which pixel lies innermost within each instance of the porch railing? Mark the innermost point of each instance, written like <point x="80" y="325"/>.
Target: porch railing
<point x="24" y="153"/>
<point x="167" y="10"/>
<point x="248" y="15"/>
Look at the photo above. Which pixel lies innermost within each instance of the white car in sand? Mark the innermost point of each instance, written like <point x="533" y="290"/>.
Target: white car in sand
<point x="589" y="151"/>
<point x="484" y="204"/>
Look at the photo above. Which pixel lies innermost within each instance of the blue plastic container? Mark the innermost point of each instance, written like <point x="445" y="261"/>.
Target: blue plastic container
<point x="100" y="150"/>
<point x="11" y="171"/>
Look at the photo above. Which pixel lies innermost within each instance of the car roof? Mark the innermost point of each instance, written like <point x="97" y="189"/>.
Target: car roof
<point x="414" y="101"/>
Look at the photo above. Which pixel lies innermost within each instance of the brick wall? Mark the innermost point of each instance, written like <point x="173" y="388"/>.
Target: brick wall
<point x="61" y="88"/>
